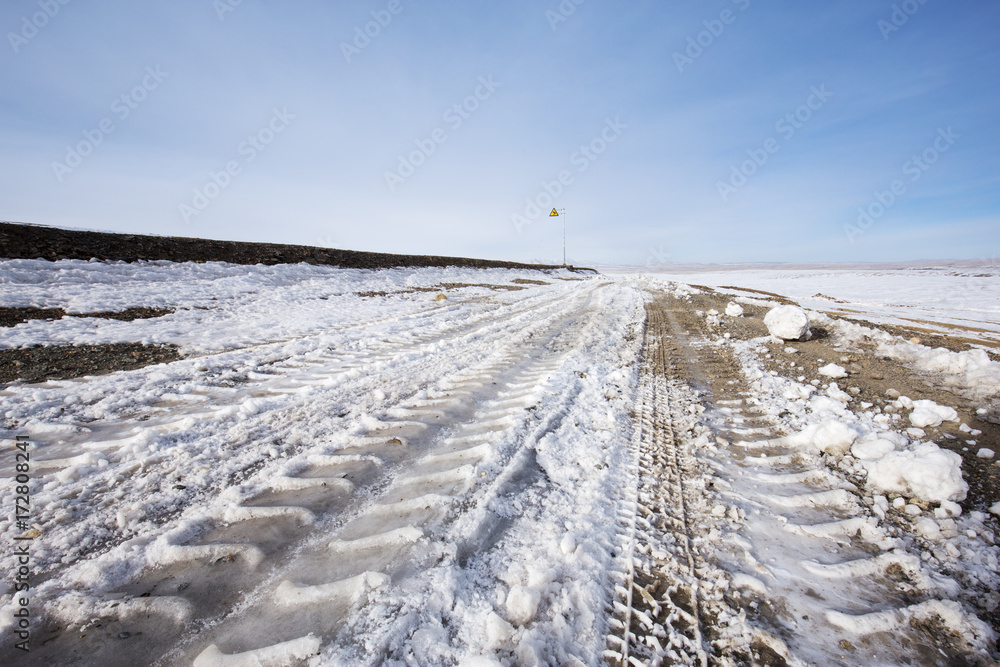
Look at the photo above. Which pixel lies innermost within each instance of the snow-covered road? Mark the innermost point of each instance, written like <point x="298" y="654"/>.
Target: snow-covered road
<point x="476" y="467"/>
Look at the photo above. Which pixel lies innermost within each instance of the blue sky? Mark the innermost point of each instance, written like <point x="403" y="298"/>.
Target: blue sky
<point x="722" y="131"/>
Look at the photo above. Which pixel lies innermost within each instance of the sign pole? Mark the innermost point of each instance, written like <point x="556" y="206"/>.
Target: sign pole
<point x="555" y="214"/>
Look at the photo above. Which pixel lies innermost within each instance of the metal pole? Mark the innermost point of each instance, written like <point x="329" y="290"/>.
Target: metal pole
<point x="564" y="238"/>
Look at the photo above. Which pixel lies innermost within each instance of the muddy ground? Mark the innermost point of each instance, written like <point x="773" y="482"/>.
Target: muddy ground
<point x="872" y="376"/>
<point x="713" y="370"/>
<point x="64" y="362"/>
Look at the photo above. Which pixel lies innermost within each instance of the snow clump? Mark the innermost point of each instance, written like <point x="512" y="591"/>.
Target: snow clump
<point x="928" y="413"/>
<point x="830" y="437"/>
<point x="734" y="310"/>
<point x="522" y="603"/>
<point x="787" y="322"/>
<point x="876" y="445"/>
<point x="833" y="371"/>
<point x="926" y="472"/>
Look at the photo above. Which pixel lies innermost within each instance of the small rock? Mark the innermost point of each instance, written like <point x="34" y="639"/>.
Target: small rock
<point x="892" y="394"/>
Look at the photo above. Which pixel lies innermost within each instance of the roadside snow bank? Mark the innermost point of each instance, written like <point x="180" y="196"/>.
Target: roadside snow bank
<point x="971" y="372"/>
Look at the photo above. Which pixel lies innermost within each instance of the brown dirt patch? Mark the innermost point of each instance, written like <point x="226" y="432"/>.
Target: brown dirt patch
<point x="63" y="362"/>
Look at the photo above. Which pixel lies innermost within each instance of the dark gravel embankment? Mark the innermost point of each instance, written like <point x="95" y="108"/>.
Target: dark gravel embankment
<point x="20" y="241"/>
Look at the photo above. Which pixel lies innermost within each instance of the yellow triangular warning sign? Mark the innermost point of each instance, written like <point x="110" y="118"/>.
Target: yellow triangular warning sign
<point x="554" y="214"/>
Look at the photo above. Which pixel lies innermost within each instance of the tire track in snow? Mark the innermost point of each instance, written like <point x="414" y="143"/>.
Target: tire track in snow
<point x="390" y="540"/>
<point x="210" y="567"/>
<point x="657" y="613"/>
<point x="808" y="576"/>
<point x="387" y="629"/>
<point x="90" y="466"/>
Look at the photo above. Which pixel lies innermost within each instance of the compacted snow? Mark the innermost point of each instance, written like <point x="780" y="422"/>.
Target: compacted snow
<point x="443" y="466"/>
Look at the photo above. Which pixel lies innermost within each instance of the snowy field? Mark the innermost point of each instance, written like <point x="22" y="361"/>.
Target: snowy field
<point x="962" y="300"/>
<point x="499" y="467"/>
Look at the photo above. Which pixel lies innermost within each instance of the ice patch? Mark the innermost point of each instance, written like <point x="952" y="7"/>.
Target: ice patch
<point x="271" y="656"/>
<point x="751" y="583"/>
